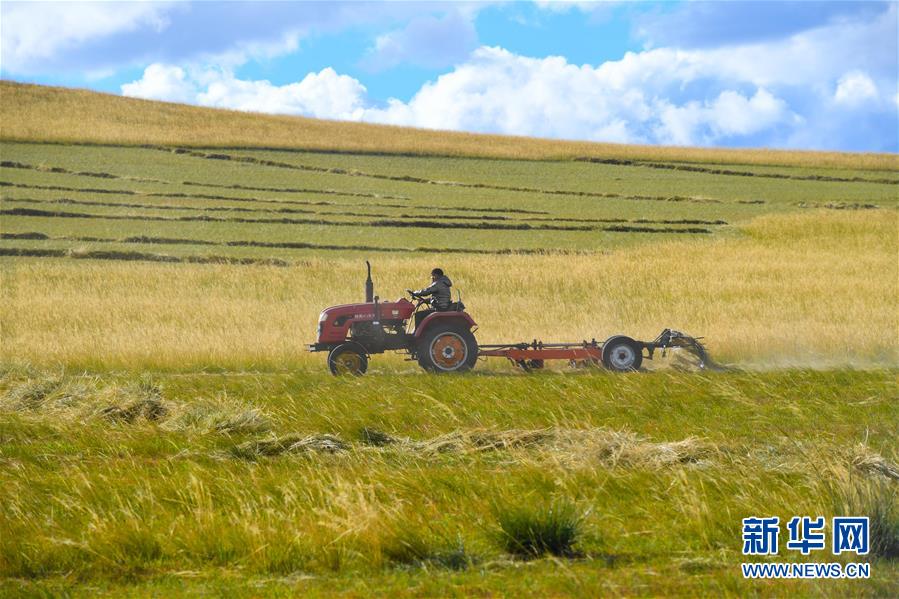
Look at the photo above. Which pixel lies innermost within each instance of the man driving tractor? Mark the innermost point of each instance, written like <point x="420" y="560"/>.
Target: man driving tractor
<point x="439" y="290"/>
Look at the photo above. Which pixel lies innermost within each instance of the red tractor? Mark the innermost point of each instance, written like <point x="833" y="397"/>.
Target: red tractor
<point x="443" y="341"/>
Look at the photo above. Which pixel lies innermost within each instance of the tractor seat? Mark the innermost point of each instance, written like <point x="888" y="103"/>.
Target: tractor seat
<point x="456" y="307"/>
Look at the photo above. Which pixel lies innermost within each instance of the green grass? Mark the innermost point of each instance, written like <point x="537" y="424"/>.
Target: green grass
<point x="161" y="502"/>
<point x="147" y="178"/>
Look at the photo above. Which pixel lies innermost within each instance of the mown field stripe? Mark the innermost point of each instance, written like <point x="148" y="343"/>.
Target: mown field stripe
<point x="732" y="173"/>
<point x="198" y="196"/>
<point x="64" y="171"/>
<point x="288" y="245"/>
<point x="138" y="256"/>
<point x="419" y="207"/>
<point x="351" y="194"/>
<point x="417" y="224"/>
<point x="69" y="201"/>
<point x="421" y="180"/>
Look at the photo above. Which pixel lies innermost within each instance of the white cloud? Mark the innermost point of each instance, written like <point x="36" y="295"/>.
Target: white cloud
<point x="854" y="89"/>
<point x="495" y="91"/>
<point x="562" y="6"/>
<point x="244" y="51"/>
<point x="326" y="94"/>
<point x="94" y="37"/>
<point x="623" y="101"/>
<point x="730" y="114"/>
<point x="162" y="82"/>
<point x="36" y="31"/>
<point x="427" y="41"/>
<point x="501" y="92"/>
<point x="793" y="92"/>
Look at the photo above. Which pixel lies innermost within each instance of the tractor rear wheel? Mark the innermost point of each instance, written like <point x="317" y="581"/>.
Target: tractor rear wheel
<point x="348" y="358"/>
<point x="447" y="348"/>
<point x="622" y="354"/>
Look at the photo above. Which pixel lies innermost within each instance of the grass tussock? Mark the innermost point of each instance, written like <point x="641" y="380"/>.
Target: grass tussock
<point x="426" y="549"/>
<point x="531" y="531"/>
<point x="39" y="113"/>
<point x="875" y="497"/>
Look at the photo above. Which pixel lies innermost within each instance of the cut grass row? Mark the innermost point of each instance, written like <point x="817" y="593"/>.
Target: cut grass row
<point x="249" y="158"/>
<point x="388" y="237"/>
<point x="163" y="206"/>
<point x="338" y="171"/>
<point x="414" y="222"/>
<point x="415" y="175"/>
<point x="48" y="114"/>
<point x="614" y="204"/>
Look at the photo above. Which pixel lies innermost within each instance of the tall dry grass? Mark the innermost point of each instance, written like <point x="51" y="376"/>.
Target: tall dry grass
<point x="814" y="289"/>
<point x="53" y="114"/>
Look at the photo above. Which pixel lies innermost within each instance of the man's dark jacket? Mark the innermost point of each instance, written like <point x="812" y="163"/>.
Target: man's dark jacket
<point x="440" y="290"/>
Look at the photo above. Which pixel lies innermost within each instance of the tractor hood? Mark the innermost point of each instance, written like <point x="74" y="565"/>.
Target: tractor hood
<point x="335" y="322"/>
<point x="398" y="310"/>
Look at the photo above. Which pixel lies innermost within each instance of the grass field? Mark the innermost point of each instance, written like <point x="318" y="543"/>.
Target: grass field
<point x="278" y="484"/>
<point x="163" y="430"/>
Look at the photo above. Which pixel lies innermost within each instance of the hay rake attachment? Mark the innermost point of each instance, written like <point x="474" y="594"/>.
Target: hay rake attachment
<point x="618" y="353"/>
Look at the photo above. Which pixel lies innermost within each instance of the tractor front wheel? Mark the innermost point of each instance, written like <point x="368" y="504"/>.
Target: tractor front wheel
<point x="447" y="348"/>
<point x="348" y="358"/>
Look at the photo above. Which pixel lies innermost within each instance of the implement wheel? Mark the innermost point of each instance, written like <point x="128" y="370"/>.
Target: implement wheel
<point x="447" y="348"/>
<point x="348" y="358"/>
<point x="622" y="354"/>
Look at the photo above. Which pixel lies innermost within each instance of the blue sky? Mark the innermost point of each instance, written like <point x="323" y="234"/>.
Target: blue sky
<point x="813" y="75"/>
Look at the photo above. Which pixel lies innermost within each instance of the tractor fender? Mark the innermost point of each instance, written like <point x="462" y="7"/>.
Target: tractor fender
<point x="362" y="349"/>
<point x="460" y="317"/>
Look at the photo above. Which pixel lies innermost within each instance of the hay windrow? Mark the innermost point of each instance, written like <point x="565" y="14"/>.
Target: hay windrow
<point x="720" y="171"/>
<point x="82" y="399"/>
<point x="839" y="205"/>
<point x="570" y="447"/>
<point x="289" y="444"/>
<point x="416" y="224"/>
<point x="153" y="410"/>
<point x="427" y="181"/>
<point x="870" y="462"/>
<point x="84" y="254"/>
<point x="345" y="213"/>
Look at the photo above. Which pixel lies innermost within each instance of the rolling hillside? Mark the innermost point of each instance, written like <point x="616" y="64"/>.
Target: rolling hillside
<point x="48" y="114"/>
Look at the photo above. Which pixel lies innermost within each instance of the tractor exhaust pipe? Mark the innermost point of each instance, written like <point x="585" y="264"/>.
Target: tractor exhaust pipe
<point x="369" y="285"/>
